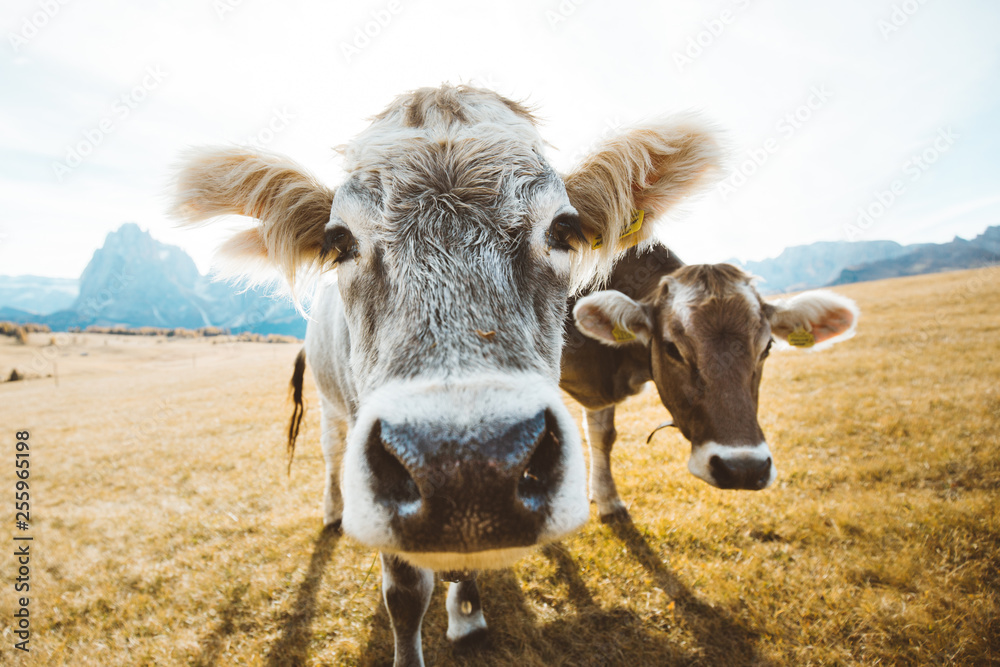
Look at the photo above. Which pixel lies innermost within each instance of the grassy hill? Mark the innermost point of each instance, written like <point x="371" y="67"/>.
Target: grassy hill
<point x="166" y="531"/>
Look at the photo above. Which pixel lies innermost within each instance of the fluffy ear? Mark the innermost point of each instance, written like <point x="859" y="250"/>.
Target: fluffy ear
<point x="612" y="318"/>
<point x="649" y="168"/>
<point x="825" y="317"/>
<point x="290" y="205"/>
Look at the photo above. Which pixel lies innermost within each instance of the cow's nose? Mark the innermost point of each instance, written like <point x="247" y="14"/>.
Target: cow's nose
<point x="747" y="473"/>
<point x="488" y="487"/>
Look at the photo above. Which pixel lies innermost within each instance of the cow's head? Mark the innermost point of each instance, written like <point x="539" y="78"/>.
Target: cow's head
<point x="708" y="332"/>
<point x="455" y="246"/>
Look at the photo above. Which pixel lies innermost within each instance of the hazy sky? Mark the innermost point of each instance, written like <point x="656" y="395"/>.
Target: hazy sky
<point x="828" y="107"/>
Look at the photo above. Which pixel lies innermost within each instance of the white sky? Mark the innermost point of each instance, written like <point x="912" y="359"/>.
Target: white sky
<point x="225" y="69"/>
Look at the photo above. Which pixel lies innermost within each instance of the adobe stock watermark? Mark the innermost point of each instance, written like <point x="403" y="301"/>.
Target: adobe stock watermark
<point x="94" y="304"/>
<point x="364" y="34"/>
<point x="33" y="24"/>
<point x="698" y="43"/>
<point x="611" y="128"/>
<point x="487" y="80"/>
<point x="223" y="7"/>
<point x="141" y="430"/>
<point x="279" y="121"/>
<point x="121" y="108"/>
<point x="899" y="17"/>
<point x="43" y="359"/>
<point x="969" y="290"/>
<point x="562" y="12"/>
<point x="786" y="127"/>
<point x="913" y="168"/>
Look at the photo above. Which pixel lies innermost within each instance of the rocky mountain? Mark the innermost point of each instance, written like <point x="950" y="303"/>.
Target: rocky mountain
<point x="136" y="281"/>
<point x="984" y="250"/>
<point x="836" y="263"/>
<point x="36" y="294"/>
<point x="806" y="266"/>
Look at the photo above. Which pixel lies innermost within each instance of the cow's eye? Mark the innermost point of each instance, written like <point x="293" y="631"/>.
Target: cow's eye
<point x="671" y="351"/>
<point x="767" y="350"/>
<point x="564" y="231"/>
<point x="339" y="245"/>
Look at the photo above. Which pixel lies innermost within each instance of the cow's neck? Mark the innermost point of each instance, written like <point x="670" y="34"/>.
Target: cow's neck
<point x="638" y="273"/>
<point x="595" y="374"/>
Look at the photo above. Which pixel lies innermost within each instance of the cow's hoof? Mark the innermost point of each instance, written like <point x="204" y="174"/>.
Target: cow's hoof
<point x="477" y="640"/>
<point x="618" y="515"/>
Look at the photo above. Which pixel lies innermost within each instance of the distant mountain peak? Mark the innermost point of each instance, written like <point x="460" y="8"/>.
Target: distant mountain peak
<point x="837" y="262"/>
<point x="133" y="280"/>
<point x="984" y="250"/>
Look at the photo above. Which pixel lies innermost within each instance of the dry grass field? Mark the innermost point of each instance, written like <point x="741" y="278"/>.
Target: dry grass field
<point x="167" y="532"/>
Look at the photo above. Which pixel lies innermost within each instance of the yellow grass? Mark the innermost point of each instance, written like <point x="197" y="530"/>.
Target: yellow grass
<point x="166" y="531"/>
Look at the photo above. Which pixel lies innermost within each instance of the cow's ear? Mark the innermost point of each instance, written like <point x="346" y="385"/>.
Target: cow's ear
<point x="649" y="168"/>
<point x="613" y="319"/>
<point x="290" y="205"/>
<point x="813" y="318"/>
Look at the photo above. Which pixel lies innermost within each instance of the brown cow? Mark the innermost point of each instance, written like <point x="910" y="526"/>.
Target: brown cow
<point x="701" y="333"/>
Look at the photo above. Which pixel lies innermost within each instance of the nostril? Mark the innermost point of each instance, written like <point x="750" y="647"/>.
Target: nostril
<point x="394" y="485"/>
<point x="740" y="473"/>
<point x="542" y="467"/>
<point x="765" y="474"/>
<point x="721" y="473"/>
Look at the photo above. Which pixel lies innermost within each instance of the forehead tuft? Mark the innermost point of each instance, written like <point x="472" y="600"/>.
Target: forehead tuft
<point x="713" y="281"/>
<point x="442" y="115"/>
<point x="710" y="299"/>
<point x="449" y="105"/>
<point x="469" y="170"/>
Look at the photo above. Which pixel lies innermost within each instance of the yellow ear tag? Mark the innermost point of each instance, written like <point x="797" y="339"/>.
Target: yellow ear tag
<point x="621" y="334"/>
<point x="634" y="225"/>
<point x="801" y="338"/>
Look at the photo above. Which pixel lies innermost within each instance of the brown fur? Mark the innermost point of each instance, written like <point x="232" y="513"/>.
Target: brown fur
<point x="447" y="104"/>
<point x="652" y="167"/>
<point x="295" y="424"/>
<point x="714" y="280"/>
<point x="291" y="205"/>
<point x="721" y="345"/>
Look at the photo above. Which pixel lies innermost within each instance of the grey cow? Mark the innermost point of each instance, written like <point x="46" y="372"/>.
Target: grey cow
<point x="445" y="260"/>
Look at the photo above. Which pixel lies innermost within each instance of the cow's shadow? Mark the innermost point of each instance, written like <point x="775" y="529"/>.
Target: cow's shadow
<point x="586" y="634"/>
<point x="721" y="639"/>
<point x="292" y="646"/>
<point x="230" y="615"/>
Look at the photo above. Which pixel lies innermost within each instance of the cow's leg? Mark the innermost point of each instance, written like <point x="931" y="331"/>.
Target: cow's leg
<point x="407" y="592"/>
<point x="466" y="623"/>
<point x="333" y="440"/>
<point x="601" y="436"/>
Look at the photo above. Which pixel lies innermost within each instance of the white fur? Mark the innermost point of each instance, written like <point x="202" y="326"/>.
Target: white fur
<point x="332" y="442"/>
<point x="601" y="434"/>
<point x="681" y="298"/>
<point x="699" y="466"/>
<point x="615" y="308"/>
<point x="811" y="306"/>
<point x="750" y="294"/>
<point x="461" y="624"/>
